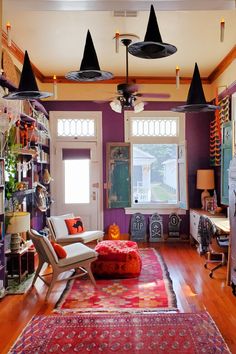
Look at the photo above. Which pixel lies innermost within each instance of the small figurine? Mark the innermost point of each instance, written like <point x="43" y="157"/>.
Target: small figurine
<point x="155" y="228"/>
<point x="138" y="227"/>
<point x="174" y="225"/>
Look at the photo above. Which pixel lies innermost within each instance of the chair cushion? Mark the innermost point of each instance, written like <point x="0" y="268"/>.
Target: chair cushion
<point x="77" y="252"/>
<point x="85" y="237"/>
<point x="60" y="251"/>
<point x="74" y="225"/>
<point x="51" y="249"/>
<point x="59" y="225"/>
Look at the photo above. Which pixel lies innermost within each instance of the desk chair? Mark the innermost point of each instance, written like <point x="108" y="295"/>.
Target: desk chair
<point x="218" y="247"/>
<point x="79" y="258"/>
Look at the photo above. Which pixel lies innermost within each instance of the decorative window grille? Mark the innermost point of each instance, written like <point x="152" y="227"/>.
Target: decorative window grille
<point x="154" y="127"/>
<point x="75" y="127"/>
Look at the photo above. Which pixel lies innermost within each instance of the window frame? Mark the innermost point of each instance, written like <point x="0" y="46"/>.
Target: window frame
<point x="181" y="206"/>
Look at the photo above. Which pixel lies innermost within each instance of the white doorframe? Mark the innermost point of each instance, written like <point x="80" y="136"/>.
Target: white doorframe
<point x="97" y="138"/>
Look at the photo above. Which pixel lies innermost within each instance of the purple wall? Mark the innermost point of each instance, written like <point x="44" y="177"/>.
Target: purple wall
<point x="197" y="136"/>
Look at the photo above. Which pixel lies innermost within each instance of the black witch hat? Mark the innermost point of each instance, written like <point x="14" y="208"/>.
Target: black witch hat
<point x="152" y="47"/>
<point x="89" y="68"/>
<point x="196" y="101"/>
<point x="28" y="88"/>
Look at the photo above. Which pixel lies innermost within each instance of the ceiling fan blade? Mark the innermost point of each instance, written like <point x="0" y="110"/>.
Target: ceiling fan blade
<point x="154" y="95"/>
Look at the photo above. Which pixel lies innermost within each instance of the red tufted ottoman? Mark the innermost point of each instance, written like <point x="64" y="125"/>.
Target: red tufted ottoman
<point x="117" y="259"/>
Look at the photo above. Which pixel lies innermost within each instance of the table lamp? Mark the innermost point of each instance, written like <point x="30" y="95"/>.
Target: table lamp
<point x="18" y="222"/>
<point x="205" y="181"/>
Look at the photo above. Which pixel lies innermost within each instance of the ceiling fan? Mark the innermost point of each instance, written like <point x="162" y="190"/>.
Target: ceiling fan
<point x="128" y="92"/>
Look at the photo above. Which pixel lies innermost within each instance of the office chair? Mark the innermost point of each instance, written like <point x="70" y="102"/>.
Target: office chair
<point x="217" y="249"/>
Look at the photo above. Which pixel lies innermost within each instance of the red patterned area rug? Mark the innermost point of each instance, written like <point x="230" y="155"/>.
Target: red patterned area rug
<point x="149" y="333"/>
<point x="152" y="290"/>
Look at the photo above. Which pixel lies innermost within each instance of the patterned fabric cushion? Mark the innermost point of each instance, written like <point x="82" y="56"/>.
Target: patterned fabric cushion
<point x="119" y="259"/>
<point x="74" y="225"/>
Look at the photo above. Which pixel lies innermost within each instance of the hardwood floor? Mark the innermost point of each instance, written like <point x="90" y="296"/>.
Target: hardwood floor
<point x="195" y="291"/>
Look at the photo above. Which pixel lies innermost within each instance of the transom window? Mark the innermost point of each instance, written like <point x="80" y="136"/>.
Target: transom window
<point x="75" y="127"/>
<point x="154" y="127"/>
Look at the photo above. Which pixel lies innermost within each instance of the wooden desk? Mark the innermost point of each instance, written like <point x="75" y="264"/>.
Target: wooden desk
<point x="221" y="222"/>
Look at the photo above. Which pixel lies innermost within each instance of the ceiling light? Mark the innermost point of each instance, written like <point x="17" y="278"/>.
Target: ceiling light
<point x="139" y="107"/>
<point x="116" y="106"/>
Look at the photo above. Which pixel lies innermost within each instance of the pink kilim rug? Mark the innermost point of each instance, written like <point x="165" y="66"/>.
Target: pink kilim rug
<point x="149" y="333"/>
<point x="152" y="290"/>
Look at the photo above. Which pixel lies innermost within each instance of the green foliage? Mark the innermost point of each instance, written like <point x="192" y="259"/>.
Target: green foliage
<point x="10" y="164"/>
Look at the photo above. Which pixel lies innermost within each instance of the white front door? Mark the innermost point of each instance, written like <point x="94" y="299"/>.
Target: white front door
<point x="77" y="182"/>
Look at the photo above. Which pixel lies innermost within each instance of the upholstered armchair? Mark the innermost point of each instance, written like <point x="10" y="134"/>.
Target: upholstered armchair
<point x="76" y="258"/>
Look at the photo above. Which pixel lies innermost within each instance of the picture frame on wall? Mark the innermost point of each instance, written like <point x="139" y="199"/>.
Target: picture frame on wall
<point x="209" y="203"/>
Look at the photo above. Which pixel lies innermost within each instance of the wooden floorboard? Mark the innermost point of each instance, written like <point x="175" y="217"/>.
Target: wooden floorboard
<point x="194" y="289"/>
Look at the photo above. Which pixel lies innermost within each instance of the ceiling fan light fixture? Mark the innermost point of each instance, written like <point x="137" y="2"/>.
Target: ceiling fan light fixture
<point x="116" y="106"/>
<point x="139" y="107"/>
<point x="89" y="69"/>
<point x="152" y="47"/>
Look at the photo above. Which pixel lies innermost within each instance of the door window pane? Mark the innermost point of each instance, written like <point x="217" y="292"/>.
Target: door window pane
<point x="154" y="173"/>
<point x="77" y="177"/>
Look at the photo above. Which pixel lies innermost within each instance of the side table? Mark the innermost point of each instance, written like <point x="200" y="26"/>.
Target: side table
<point x="17" y="263"/>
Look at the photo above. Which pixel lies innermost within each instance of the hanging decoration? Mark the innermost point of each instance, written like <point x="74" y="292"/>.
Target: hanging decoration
<point x="196" y="101"/>
<point x="152" y="47"/>
<point x="8" y="27"/>
<point x="222" y="30"/>
<point x="28" y="88"/>
<point x="89" y="68"/>
<point x="23" y="167"/>
<point x="177" y="76"/>
<point x="54" y="87"/>
<point x="221" y="116"/>
<point x="46" y="176"/>
<point x="117" y="37"/>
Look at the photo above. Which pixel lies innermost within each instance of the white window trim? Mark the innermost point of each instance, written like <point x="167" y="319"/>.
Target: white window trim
<point x="164" y="209"/>
<point x="96" y="115"/>
<point x="156" y="209"/>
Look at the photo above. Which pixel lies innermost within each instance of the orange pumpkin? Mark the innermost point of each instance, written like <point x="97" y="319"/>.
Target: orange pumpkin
<point x="113" y="232"/>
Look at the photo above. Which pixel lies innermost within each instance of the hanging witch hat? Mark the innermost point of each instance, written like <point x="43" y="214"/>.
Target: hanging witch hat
<point x="28" y="88"/>
<point x="152" y="47"/>
<point x="89" y="68"/>
<point x="196" y="101"/>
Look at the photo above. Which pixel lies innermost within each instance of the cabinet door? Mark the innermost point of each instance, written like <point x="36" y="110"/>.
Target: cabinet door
<point x="226" y="156"/>
<point x="118" y="175"/>
<point x="232" y="218"/>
